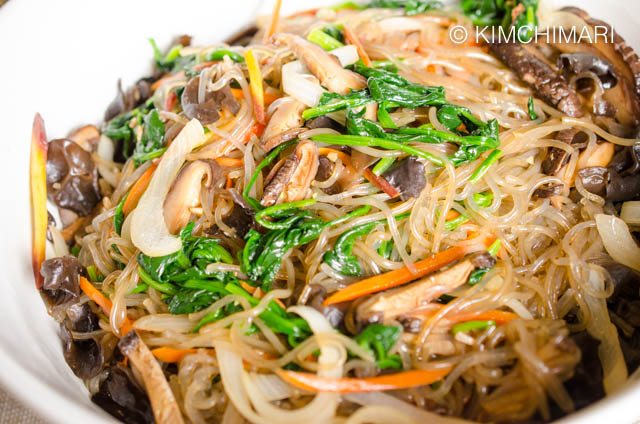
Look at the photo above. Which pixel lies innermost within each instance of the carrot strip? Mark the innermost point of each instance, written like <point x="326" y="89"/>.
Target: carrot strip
<point x="230" y="162"/>
<point x="168" y="354"/>
<point x="499" y="317"/>
<point x="166" y="78"/>
<point x="257" y="129"/>
<point x="255" y="82"/>
<point x="352" y="38"/>
<point x="397" y="277"/>
<point x="274" y="21"/>
<point x="104" y="303"/>
<point x="381" y="183"/>
<point x="138" y="189"/>
<point x="38" y="186"/>
<point x="303" y="13"/>
<point x="402" y="380"/>
<point x="251" y="289"/>
<point x="170" y="101"/>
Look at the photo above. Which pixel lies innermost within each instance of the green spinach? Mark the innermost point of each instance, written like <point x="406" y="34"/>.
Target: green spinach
<point x="379" y="339"/>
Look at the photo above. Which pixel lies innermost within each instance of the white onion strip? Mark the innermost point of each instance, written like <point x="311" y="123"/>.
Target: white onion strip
<point x="618" y="241"/>
<point x="299" y="83"/>
<point x="149" y="232"/>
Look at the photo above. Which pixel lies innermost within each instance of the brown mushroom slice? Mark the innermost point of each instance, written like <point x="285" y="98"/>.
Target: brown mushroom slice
<point x="285" y="124"/>
<point x="164" y="405"/>
<point x="557" y="157"/>
<point x="625" y="95"/>
<point x="185" y="193"/>
<point x="547" y="84"/>
<point x="394" y="303"/>
<point x="292" y="180"/>
<point x="86" y="137"/>
<point x="324" y="66"/>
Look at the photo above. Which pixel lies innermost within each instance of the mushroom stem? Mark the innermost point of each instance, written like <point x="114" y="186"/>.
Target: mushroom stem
<point x="164" y="405"/>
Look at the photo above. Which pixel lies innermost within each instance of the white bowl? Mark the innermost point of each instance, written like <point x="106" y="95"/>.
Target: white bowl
<point x="62" y="59"/>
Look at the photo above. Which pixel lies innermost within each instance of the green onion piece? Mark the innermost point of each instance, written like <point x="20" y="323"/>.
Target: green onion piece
<point x="495" y="247"/>
<point x="161" y="287"/>
<point x="221" y="53"/>
<point x="476" y="276"/>
<point x="359" y="140"/>
<point x="384" y="117"/>
<point x="385" y="248"/>
<point x="324" y="40"/>
<point x="347" y="5"/>
<point x="265" y="162"/>
<point x="93" y="274"/>
<point x="484" y="166"/>
<point x="75" y="250"/>
<point x="483" y="199"/>
<point x="353" y="214"/>
<point x="173" y="53"/>
<point x="532" y="113"/>
<point x="139" y="288"/>
<point x="382" y="165"/>
<point x="260" y="216"/>
<point x="472" y="325"/>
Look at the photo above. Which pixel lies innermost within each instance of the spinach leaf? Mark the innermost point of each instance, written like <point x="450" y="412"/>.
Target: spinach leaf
<point x="262" y="255"/>
<point x="189" y="263"/>
<point x="151" y="145"/>
<point x="385" y="248"/>
<point x="340" y="257"/>
<point x="121" y="128"/>
<point x="332" y="102"/>
<point x="379" y="339"/>
<point x="500" y="13"/>
<point x="476" y="275"/>
<point x="335" y="31"/>
<point x="187" y="301"/>
<point x="172" y="62"/>
<point x="411" y="7"/>
<point x="118" y="217"/>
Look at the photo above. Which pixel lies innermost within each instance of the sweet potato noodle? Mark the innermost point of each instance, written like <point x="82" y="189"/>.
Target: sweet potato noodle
<point x="345" y="216"/>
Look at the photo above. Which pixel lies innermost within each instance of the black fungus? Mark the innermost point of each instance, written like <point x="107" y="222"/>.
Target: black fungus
<point x="81" y="319"/>
<point x="545" y="192"/>
<point x="578" y="62"/>
<point x="334" y="313"/>
<point x="72" y="177"/>
<point x="85" y="356"/>
<point x="585" y="387"/>
<point x="62" y="279"/>
<point x="242" y="37"/>
<point x="557" y="157"/>
<point x="324" y="122"/>
<point x="132" y="98"/>
<point x="207" y="111"/>
<point x="123" y="399"/>
<point x="325" y="170"/>
<point x="611" y="185"/>
<point x="241" y="219"/>
<point x="407" y="176"/>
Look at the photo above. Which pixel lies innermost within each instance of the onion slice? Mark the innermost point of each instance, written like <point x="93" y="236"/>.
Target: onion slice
<point x="299" y="83"/>
<point x="630" y="212"/>
<point x="347" y="55"/>
<point x="618" y="241"/>
<point x="149" y="232"/>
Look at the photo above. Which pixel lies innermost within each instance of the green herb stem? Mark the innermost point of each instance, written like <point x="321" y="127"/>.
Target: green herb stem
<point x="484" y="166"/>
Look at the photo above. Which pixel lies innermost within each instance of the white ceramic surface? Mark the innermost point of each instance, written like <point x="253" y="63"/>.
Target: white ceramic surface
<point x="62" y="58"/>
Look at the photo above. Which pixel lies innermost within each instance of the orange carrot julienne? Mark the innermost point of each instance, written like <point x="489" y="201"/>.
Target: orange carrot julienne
<point x="499" y="317"/>
<point x="352" y="38"/>
<point x="381" y="183"/>
<point x="38" y="187"/>
<point x="251" y="289"/>
<point x="399" y="276"/>
<point x="169" y="354"/>
<point x="170" y="101"/>
<point x="101" y="300"/>
<point x="138" y="189"/>
<point x="255" y="82"/>
<point x="303" y="13"/>
<point x="274" y="21"/>
<point x="402" y="380"/>
<point x="230" y="162"/>
<point x="257" y="129"/>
